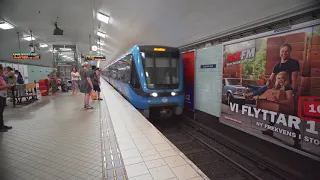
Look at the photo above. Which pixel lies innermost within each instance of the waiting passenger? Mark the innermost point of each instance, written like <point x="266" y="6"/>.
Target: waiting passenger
<point x="75" y="78"/>
<point x="3" y="95"/>
<point x="4" y="75"/>
<point x="11" y="76"/>
<point x="19" y="77"/>
<point x="53" y="82"/>
<point x="96" y="81"/>
<point x="86" y="86"/>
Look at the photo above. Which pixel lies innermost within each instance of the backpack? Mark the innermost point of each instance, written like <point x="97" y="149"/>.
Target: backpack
<point x="95" y="76"/>
<point x="20" y="79"/>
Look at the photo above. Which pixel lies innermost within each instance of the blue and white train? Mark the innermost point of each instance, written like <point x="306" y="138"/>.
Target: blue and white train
<point x="150" y="78"/>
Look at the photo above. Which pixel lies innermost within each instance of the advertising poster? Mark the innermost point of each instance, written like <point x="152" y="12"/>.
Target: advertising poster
<point x="271" y="88"/>
<point x="188" y="72"/>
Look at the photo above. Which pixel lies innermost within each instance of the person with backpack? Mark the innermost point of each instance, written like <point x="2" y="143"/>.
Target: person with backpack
<point x="96" y="82"/>
<point x="19" y="77"/>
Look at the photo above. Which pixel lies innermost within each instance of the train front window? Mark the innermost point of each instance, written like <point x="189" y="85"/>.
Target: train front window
<point x="161" y="70"/>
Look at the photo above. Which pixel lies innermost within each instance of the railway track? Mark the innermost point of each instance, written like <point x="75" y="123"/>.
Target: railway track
<point x="216" y="157"/>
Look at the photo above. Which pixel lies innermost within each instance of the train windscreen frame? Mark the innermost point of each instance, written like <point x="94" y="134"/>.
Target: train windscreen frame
<point x="161" y="67"/>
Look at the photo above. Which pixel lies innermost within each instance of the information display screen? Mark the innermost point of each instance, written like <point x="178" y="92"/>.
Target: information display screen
<point x="26" y="55"/>
<point x="92" y="57"/>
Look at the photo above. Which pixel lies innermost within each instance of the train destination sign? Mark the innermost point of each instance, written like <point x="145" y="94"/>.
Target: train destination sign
<point x="93" y="57"/>
<point x="26" y="55"/>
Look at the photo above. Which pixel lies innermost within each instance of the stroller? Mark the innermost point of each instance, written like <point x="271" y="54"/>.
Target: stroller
<point x="64" y="87"/>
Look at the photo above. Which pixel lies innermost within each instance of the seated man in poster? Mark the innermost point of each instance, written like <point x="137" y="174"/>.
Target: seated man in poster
<point x="291" y="67"/>
<point x="287" y="64"/>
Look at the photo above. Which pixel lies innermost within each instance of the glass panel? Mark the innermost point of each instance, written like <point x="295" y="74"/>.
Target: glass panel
<point x="161" y="70"/>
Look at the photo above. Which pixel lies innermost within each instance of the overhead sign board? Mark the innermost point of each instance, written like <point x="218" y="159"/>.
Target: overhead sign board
<point x="94" y="57"/>
<point x="26" y="55"/>
<point x="159" y="49"/>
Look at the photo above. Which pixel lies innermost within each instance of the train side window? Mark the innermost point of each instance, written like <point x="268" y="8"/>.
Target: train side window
<point x="127" y="69"/>
<point x="134" y="76"/>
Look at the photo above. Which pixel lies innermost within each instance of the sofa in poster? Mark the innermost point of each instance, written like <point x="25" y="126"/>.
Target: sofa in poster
<point x="271" y="88"/>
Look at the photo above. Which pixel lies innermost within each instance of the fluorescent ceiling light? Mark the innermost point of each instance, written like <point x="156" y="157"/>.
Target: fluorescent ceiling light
<point x="4" y="25"/>
<point x="104" y="18"/>
<point x="101" y="34"/>
<point x="65" y="49"/>
<point x="28" y="38"/>
<point x="43" y="45"/>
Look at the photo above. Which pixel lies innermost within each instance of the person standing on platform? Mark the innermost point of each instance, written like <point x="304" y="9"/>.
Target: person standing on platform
<point x="96" y="82"/>
<point x="53" y="82"/>
<point x="86" y="84"/>
<point x="11" y="76"/>
<point x="75" y="77"/>
<point x="19" y="77"/>
<point x="3" y="95"/>
<point x="4" y="76"/>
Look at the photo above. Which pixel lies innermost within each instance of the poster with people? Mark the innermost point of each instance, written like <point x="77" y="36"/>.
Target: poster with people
<point x="271" y="89"/>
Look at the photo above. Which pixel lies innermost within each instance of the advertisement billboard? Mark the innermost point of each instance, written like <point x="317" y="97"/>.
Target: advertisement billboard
<point x="271" y="88"/>
<point x="188" y="72"/>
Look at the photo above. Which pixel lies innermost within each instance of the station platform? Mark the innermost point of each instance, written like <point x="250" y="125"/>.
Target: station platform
<point x="56" y="138"/>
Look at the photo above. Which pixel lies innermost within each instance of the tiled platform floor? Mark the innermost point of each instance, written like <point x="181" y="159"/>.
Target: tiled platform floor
<point x="146" y="153"/>
<point x="54" y="138"/>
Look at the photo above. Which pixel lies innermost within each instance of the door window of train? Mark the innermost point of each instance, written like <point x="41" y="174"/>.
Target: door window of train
<point x="134" y="76"/>
<point x="149" y="70"/>
<point x="175" y="71"/>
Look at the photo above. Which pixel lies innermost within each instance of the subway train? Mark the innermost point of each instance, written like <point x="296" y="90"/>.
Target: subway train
<point x="150" y="78"/>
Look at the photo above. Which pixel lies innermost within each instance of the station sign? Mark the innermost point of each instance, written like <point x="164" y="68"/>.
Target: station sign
<point x="26" y="55"/>
<point x="205" y="66"/>
<point x="95" y="57"/>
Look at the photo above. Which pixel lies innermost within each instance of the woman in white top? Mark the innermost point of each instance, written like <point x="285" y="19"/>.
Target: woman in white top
<point x="75" y="78"/>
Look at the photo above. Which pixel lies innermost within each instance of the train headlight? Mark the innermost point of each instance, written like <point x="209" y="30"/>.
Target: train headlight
<point x="173" y="93"/>
<point x="154" y="94"/>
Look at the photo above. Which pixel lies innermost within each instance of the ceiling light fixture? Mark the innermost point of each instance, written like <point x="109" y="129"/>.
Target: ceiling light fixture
<point x="101" y="34"/>
<point x="100" y="42"/>
<point x="43" y="45"/>
<point x="94" y="48"/>
<point x="4" y="25"/>
<point x="102" y="17"/>
<point x="28" y="38"/>
<point x="65" y="49"/>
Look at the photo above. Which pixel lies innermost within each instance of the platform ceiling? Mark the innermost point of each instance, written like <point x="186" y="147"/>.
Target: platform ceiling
<point x="163" y="22"/>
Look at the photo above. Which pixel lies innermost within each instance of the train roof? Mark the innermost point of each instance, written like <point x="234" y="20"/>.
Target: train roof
<point x="146" y="48"/>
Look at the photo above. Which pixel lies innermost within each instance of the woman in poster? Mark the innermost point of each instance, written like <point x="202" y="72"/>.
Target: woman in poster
<point x="282" y="83"/>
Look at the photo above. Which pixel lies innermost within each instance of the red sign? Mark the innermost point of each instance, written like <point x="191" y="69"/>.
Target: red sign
<point x="309" y="108"/>
<point x="245" y="54"/>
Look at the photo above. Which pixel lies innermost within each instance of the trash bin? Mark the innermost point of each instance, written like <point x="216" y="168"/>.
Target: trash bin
<point x="44" y="87"/>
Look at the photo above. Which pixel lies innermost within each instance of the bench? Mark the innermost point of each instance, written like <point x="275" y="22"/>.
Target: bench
<point x="20" y="91"/>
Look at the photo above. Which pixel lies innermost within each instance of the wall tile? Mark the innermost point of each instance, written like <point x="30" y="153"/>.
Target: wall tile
<point x="208" y="81"/>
